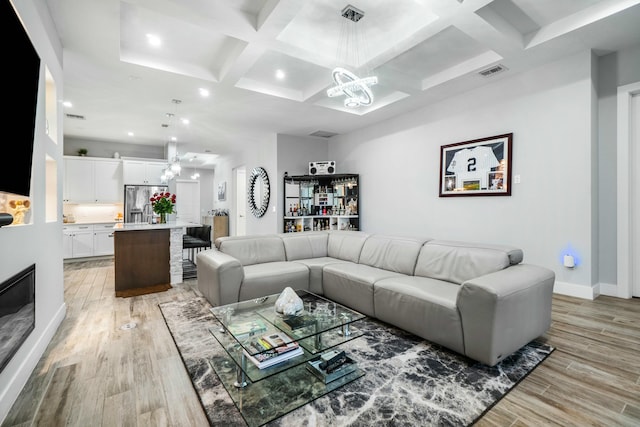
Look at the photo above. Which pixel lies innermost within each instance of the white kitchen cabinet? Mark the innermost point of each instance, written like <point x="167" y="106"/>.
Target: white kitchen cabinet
<point x="79" y="181"/>
<point x="108" y="181"/>
<point x="77" y="241"/>
<point x="143" y="172"/>
<point x="103" y="239"/>
<point x="86" y="240"/>
<point x="93" y="180"/>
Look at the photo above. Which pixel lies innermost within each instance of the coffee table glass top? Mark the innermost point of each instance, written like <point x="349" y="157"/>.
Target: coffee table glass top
<point x="262" y="395"/>
<point x="321" y="325"/>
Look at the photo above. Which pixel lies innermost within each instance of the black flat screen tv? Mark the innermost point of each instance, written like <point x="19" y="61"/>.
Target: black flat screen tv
<point x="21" y="71"/>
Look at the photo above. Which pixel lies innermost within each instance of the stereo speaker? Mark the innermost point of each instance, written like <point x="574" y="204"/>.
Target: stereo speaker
<point x="325" y="167"/>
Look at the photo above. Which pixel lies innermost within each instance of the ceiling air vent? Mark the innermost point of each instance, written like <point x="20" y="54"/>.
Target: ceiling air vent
<point x="323" y="134"/>
<point x="75" y="116"/>
<point x="492" y="71"/>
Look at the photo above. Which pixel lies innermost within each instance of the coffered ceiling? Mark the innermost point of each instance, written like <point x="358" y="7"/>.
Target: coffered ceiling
<point x="421" y="50"/>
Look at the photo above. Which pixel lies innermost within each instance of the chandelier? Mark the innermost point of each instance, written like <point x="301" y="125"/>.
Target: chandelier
<point x="173" y="169"/>
<point x="357" y="90"/>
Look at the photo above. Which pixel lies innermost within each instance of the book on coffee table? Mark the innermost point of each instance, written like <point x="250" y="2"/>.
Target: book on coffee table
<point x="272" y="349"/>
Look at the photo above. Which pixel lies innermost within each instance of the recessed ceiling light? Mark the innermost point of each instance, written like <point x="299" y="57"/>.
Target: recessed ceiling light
<point x="130" y="133"/>
<point x="184" y="121"/>
<point x="67" y="104"/>
<point x="173" y="138"/>
<point x="280" y="74"/>
<point x="203" y="92"/>
<point x="154" y="40"/>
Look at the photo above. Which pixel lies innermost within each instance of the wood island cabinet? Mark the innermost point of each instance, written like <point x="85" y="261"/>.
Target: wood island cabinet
<point x="141" y="262"/>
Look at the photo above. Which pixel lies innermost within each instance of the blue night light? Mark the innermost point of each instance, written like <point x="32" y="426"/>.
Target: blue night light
<point x="569" y="257"/>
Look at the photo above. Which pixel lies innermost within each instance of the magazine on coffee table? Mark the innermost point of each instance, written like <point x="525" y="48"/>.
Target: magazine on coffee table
<point x="272" y="349"/>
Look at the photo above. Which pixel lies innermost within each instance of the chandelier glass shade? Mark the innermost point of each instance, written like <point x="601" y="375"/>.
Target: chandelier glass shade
<point x="173" y="168"/>
<point x="357" y="91"/>
<point x="352" y="50"/>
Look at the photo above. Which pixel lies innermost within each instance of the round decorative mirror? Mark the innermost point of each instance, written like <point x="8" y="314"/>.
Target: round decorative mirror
<point x="259" y="192"/>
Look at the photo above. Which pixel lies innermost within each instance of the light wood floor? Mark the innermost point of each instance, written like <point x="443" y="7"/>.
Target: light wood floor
<point x="95" y="373"/>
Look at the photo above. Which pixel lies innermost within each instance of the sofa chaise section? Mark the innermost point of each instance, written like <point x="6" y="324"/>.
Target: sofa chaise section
<point x="475" y="299"/>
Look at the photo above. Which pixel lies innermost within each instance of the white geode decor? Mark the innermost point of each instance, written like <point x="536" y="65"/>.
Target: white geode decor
<point x="289" y="303"/>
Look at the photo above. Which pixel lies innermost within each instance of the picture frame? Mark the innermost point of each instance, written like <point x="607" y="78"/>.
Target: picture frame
<point x="480" y="167"/>
<point x="222" y="191"/>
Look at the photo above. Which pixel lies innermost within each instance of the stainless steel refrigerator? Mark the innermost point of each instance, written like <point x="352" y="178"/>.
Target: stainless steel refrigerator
<point x="137" y="203"/>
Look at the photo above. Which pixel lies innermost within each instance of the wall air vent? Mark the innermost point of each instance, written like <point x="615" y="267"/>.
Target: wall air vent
<point x="493" y="70"/>
<point x="75" y="116"/>
<point x="323" y="134"/>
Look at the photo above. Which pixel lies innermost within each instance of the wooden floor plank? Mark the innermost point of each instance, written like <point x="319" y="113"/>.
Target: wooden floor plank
<point x="94" y="372"/>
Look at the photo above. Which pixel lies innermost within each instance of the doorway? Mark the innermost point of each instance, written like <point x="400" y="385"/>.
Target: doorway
<point x="240" y="175"/>
<point x="628" y="181"/>
<point x="635" y="191"/>
<point x="188" y="201"/>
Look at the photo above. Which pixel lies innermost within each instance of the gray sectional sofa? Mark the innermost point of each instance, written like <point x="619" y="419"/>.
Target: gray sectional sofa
<point x="479" y="300"/>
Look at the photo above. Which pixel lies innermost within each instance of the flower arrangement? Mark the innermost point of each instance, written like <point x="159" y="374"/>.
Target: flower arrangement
<point x="163" y="203"/>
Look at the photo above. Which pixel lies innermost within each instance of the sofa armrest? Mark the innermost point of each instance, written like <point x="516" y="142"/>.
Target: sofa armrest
<point x="505" y="310"/>
<point x="219" y="277"/>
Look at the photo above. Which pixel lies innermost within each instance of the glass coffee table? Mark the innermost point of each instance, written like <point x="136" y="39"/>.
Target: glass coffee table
<point x="262" y="395"/>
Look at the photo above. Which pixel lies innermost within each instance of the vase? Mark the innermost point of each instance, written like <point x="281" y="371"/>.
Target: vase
<point x="163" y="218"/>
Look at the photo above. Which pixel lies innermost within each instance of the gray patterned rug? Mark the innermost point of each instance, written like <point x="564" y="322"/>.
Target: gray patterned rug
<point x="408" y="381"/>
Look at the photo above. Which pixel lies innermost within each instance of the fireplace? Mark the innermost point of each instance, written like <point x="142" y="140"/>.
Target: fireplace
<point x="17" y="312"/>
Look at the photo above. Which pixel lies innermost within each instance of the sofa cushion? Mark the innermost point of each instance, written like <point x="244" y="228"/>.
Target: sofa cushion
<point x="397" y="254"/>
<point x="423" y="306"/>
<point x="271" y="278"/>
<point x="346" y="245"/>
<point x="514" y="254"/>
<point x="305" y="245"/>
<point x="316" y="268"/>
<point x="456" y="262"/>
<point x="250" y="250"/>
<point x="352" y="284"/>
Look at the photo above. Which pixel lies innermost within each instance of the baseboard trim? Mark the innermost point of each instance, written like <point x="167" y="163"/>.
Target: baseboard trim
<point x="609" y="289"/>
<point x="19" y="379"/>
<point x="578" y="291"/>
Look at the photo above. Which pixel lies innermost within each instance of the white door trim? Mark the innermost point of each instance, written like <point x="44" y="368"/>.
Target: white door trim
<point x="239" y="197"/>
<point x="624" y="246"/>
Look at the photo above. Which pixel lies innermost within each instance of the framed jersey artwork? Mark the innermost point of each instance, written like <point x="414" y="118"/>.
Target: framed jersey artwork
<point x="481" y="167"/>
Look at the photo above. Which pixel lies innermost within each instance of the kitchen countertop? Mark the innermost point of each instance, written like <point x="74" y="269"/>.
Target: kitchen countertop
<point x="133" y="226"/>
<point x="90" y="223"/>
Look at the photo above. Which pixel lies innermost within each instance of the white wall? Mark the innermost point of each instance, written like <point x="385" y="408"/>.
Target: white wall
<point x="251" y="154"/>
<point x="107" y="149"/>
<point x="294" y="155"/>
<point x="39" y="242"/>
<point x="549" y="111"/>
<point x="207" y="193"/>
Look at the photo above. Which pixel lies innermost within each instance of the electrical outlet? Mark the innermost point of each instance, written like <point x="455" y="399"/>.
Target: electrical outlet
<point x="516" y="179"/>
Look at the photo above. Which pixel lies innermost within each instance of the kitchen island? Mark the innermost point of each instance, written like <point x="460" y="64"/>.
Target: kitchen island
<point x="148" y="257"/>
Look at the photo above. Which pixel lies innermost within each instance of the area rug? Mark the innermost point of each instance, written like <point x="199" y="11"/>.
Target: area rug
<point x="408" y="380"/>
